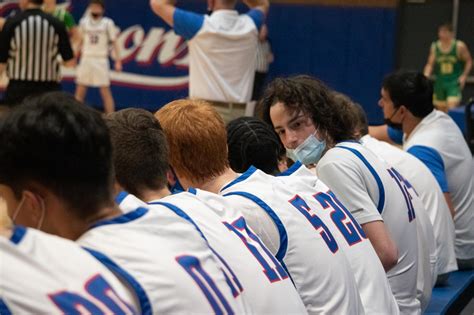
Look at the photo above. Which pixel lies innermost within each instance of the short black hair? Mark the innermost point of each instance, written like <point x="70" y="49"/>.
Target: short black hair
<point x="140" y="150"/>
<point x="57" y="142"/>
<point x="312" y="97"/>
<point x="412" y="90"/>
<point x="253" y="142"/>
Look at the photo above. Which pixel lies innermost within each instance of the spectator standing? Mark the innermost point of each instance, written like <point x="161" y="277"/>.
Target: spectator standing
<point x="222" y="49"/>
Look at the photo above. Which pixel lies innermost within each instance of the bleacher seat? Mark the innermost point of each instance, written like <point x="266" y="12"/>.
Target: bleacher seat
<point x="454" y="297"/>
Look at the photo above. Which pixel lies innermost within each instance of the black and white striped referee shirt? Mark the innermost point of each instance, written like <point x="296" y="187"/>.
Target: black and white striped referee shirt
<point x="30" y="43"/>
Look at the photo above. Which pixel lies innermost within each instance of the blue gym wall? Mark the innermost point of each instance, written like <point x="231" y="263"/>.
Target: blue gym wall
<point x="349" y="47"/>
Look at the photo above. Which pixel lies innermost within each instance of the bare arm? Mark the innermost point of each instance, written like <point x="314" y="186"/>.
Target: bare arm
<point x="430" y="63"/>
<point x="465" y="56"/>
<point x="164" y="9"/>
<point x="382" y="242"/>
<point x="449" y="201"/>
<point x="262" y="5"/>
<point x="3" y="66"/>
<point x="2" y="22"/>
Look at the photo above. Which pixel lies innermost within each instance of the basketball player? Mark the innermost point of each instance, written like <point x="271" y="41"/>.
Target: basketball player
<point x="450" y="61"/>
<point x="435" y="139"/>
<point x="427" y="250"/>
<point x="319" y="270"/>
<point x="425" y="185"/>
<point x="244" y="136"/>
<point x="141" y="165"/>
<point x="56" y="175"/>
<point x="62" y="14"/>
<point x="98" y="33"/>
<point x="45" y="274"/>
<point x="314" y="129"/>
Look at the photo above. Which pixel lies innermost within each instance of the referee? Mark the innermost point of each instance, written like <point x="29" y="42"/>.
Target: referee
<point x="30" y="43"/>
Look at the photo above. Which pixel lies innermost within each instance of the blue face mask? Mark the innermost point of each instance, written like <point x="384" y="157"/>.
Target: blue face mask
<point x="308" y="152"/>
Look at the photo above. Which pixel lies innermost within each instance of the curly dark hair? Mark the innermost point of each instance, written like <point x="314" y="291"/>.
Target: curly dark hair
<point x="312" y="97"/>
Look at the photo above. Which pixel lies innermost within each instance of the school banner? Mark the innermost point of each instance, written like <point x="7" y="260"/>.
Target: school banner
<point x="351" y="47"/>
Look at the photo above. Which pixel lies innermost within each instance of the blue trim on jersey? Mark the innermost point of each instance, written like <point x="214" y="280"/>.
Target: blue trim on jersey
<point x="120" y="197"/>
<point x="192" y="190"/>
<point x="187" y="24"/>
<point x="4" y="310"/>
<point x="292" y="169"/>
<point x="128" y="217"/>
<point x="143" y="300"/>
<point x="396" y="135"/>
<point x="281" y="228"/>
<point x="179" y="213"/>
<point x="433" y="160"/>
<point x="376" y="176"/>
<point x="257" y="16"/>
<point x="349" y="141"/>
<point x="241" y="178"/>
<point x="18" y="234"/>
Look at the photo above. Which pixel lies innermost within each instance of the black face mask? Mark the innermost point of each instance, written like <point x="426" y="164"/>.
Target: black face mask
<point x="394" y="125"/>
<point x="209" y="11"/>
<point x="96" y="15"/>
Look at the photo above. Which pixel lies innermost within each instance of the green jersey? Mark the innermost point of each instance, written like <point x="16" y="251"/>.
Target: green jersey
<point x="448" y="66"/>
<point x="64" y="16"/>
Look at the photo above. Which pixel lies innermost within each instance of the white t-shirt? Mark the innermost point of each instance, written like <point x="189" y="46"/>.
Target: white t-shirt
<point x="256" y="274"/>
<point x="97" y="36"/>
<point x="222" y="53"/>
<point x="165" y="260"/>
<point x="438" y="142"/>
<point x="372" y="282"/>
<point x="45" y="274"/>
<point x="425" y="184"/>
<point x="366" y="186"/>
<point x="320" y="271"/>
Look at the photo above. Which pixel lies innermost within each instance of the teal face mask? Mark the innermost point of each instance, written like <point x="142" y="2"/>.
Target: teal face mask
<point x="308" y="152"/>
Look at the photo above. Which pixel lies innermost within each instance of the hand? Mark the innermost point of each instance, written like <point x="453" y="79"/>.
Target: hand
<point x="118" y="66"/>
<point x="462" y="81"/>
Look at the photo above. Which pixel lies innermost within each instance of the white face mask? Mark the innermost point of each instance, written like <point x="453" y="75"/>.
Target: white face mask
<point x="18" y="209"/>
<point x="308" y="152"/>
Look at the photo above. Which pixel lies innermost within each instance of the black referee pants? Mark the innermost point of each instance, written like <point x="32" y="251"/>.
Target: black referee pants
<point x="17" y="91"/>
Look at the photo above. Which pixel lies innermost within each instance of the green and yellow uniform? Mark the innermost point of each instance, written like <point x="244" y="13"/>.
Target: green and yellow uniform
<point x="448" y="68"/>
<point x="64" y="16"/>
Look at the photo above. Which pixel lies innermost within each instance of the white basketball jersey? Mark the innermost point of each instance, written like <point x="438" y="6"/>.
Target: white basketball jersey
<point x="45" y="274"/>
<point x="439" y="132"/>
<point x="165" y="260"/>
<point x="371" y="191"/>
<point x="97" y="36"/>
<point x="320" y="271"/>
<point x="372" y="282"/>
<point x="254" y="273"/>
<point x="425" y="184"/>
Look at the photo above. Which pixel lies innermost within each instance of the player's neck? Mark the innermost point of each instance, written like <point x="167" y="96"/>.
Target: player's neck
<point x="5" y="232"/>
<point x="410" y="124"/>
<point x="446" y="42"/>
<point x="215" y="185"/>
<point x="76" y="227"/>
<point x="152" y="195"/>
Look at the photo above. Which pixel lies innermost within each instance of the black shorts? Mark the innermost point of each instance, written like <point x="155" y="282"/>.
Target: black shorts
<point x="18" y="91"/>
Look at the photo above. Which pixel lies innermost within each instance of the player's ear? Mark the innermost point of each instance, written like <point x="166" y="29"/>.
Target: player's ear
<point x="32" y="207"/>
<point x="403" y="111"/>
